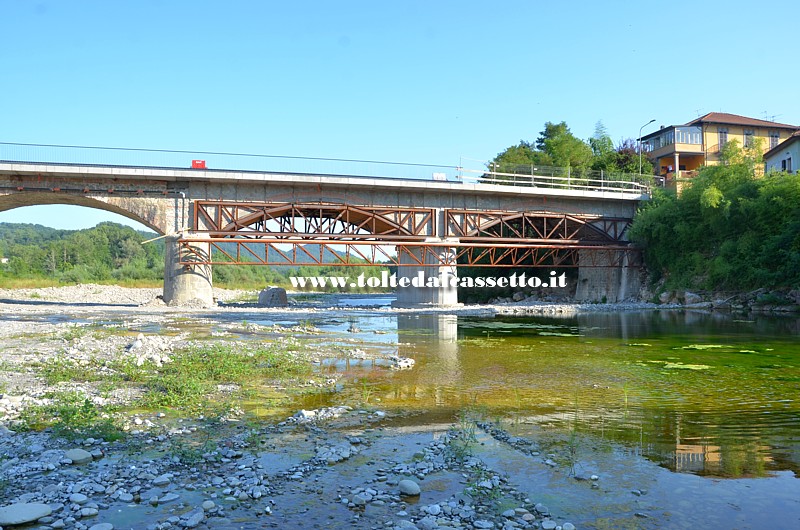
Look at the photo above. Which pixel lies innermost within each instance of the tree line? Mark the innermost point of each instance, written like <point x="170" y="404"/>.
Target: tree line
<point x="557" y="146"/>
<point x="114" y="253"/>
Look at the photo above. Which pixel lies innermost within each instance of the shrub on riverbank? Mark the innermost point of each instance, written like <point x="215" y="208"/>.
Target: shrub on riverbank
<point x="729" y="230"/>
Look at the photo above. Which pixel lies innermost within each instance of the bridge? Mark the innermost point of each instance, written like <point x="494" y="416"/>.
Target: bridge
<point x="231" y="209"/>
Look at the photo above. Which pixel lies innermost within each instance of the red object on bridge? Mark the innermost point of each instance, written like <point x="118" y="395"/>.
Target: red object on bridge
<point x="198" y="164"/>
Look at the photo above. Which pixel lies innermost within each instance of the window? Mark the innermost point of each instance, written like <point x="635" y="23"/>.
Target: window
<point x="774" y="139"/>
<point x="749" y="137"/>
<point x="789" y="165"/>
<point x="723" y="136"/>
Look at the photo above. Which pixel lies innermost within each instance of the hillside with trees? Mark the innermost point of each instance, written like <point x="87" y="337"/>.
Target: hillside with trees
<point x="113" y="253"/>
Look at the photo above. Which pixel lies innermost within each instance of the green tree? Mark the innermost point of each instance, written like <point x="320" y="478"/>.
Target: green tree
<point x="564" y="148"/>
<point x="604" y="156"/>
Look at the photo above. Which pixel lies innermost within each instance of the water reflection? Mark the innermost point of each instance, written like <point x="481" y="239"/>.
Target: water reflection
<point x="696" y="392"/>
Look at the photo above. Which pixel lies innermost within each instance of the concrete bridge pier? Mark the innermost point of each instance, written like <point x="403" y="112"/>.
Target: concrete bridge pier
<point x="187" y="284"/>
<point x="431" y="284"/>
<point x="600" y="281"/>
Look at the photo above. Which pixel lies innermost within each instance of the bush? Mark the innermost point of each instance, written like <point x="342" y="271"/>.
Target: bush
<point x="730" y="230"/>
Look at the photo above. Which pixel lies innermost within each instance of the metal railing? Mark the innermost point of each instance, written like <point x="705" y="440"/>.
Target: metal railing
<point x="565" y="178"/>
<point x="543" y="177"/>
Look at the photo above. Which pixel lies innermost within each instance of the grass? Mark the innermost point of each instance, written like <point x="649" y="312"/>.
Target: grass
<point x="464" y="439"/>
<point x="72" y="415"/>
<point x="192" y="376"/>
<point x="41" y="283"/>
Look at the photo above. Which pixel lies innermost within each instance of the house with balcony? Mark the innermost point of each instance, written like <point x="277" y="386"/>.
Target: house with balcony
<point x="679" y="150"/>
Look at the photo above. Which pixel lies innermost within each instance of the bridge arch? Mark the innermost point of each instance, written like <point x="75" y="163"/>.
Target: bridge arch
<point x="140" y="210"/>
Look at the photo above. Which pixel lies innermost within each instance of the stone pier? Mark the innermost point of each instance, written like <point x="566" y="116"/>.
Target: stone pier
<point x="606" y="283"/>
<point x="186" y="284"/>
<point x="417" y="295"/>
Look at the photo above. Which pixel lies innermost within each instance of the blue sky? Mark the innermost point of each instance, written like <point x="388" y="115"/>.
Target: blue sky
<point x="412" y="81"/>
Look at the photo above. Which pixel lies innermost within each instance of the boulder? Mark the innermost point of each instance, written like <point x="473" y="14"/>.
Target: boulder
<point x="79" y="456"/>
<point x="690" y="298"/>
<point x="23" y="513"/>
<point x="273" y="297"/>
<point x="408" y="487"/>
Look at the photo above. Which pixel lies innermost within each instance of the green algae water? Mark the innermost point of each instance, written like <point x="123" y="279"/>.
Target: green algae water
<point x="696" y="393"/>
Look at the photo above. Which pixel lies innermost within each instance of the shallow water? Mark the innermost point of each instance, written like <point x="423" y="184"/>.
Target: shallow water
<point x="695" y="393"/>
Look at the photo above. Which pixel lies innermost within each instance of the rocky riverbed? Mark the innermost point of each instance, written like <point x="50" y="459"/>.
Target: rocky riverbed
<point x="161" y="467"/>
<point x="84" y="444"/>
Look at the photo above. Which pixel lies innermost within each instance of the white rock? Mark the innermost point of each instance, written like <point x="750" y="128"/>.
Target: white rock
<point x="23" y="513"/>
<point x="162" y="480"/>
<point x="169" y="497"/>
<point x="125" y="497"/>
<point x="408" y="487"/>
<point x="78" y="498"/>
<point x="78" y="456"/>
<point x="102" y="526"/>
<point x="195" y="518"/>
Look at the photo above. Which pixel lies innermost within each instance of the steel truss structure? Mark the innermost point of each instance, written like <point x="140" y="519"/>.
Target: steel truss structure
<point x="347" y="235"/>
<point x="312" y="221"/>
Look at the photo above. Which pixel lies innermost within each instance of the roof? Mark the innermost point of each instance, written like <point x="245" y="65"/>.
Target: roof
<point x="783" y="145"/>
<point x="735" y="119"/>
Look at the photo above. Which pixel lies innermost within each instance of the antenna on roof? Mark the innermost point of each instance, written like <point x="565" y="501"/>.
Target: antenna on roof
<point x="698" y="111"/>
<point x="770" y="117"/>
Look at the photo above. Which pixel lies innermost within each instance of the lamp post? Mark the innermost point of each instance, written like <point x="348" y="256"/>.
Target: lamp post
<point x="640" y="143"/>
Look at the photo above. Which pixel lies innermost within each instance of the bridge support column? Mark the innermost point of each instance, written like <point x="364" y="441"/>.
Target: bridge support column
<point x="187" y="284"/>
<point x="431" y="284"/>
<point x="601" y="280"/>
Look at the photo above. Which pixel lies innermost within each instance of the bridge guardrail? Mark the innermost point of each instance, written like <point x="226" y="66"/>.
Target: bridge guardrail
<point x="548" y="178"/>
<point x="545" y="177"/>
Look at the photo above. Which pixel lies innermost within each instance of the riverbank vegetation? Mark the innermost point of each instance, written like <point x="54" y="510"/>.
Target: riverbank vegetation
<point x="731" y="228"/>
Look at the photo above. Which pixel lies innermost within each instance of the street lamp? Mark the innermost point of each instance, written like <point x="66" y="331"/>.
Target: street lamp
<point x="640" y="143"/>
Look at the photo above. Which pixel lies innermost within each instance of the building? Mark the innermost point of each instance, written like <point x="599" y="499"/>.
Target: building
<point x="785" y="156"/>
<point x="678" y="150"/>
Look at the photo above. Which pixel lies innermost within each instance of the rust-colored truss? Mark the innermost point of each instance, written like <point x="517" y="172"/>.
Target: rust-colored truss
<point x="312" y="221"/>
<point x="349" y="235"/>
<point x="543" y="227"/>
<point x="414" y="254"/>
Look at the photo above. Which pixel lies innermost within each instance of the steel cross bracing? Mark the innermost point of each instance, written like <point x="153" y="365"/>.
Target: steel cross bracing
<point x="312" y="220"/>
<point x="348" y="235"/>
